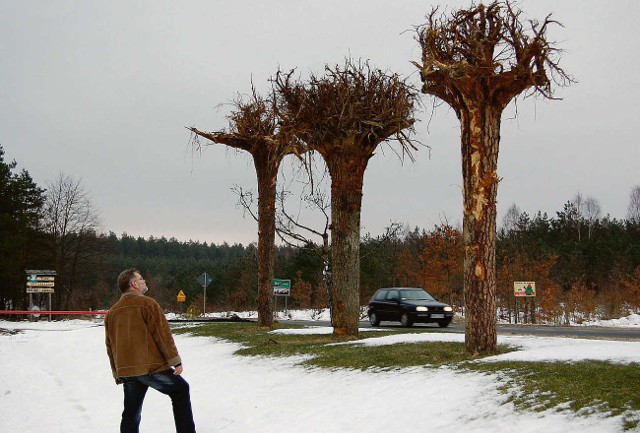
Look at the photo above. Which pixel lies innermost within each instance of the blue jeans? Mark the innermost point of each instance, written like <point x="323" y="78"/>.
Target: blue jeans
<point x="135" y="388"/>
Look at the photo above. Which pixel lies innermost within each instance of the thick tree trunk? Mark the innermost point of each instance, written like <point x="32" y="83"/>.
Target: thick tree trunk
<point x="267" y="177"/>
<point x="346" y="201"/>
<point x="480" y="127"/>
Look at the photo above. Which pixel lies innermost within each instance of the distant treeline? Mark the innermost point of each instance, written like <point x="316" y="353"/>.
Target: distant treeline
<point x="581" y="270"/>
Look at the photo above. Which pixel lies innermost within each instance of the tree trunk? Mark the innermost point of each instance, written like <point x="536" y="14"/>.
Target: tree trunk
<point x="480" y="127"/>
<point x="267" y="176"/>
<point x="346" y="201"/>
<point x="325" y="252"/>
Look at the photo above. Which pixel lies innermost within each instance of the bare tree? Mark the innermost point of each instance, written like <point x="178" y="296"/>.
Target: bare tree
<point x="295" y="232"/>
<point x="633" y="211"/>
<point x="291" y="229"/>
<point x="511" y="218"/>
<point x="71" y="221"/>
<point x="584" y="211"/>
<point x="254" y="128"/>
<point x="477" y="60"/>
<point x="591" y="212"/>
<point x="576" y="214"/>
<point x="344" y="116"/>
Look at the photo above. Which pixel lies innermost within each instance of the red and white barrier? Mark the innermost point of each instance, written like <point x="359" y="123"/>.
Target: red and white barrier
<point x="45" y="312"/>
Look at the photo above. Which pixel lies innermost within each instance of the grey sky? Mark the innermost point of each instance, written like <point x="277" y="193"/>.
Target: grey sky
<point x="102" y="91"/>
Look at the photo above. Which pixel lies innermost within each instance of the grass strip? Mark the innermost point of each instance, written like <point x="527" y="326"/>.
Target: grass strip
<point x="321" y="350"/>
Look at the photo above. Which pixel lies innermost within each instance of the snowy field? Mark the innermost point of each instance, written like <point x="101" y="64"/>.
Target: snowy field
<point x="57" y="379"/>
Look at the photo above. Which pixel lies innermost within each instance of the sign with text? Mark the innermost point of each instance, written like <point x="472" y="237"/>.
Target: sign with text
<point x="524" y="288"/>
<point x="281" y="287"/>
<point x="40" y="281"/>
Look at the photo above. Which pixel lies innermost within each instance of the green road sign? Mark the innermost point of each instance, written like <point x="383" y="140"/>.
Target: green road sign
<point x="281" y="287"/>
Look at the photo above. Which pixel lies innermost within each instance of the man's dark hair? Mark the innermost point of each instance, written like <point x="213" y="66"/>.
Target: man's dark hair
<point x="125" y="277"/>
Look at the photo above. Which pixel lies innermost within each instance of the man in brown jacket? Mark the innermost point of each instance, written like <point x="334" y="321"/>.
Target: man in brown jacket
<point x="142" y="353"/>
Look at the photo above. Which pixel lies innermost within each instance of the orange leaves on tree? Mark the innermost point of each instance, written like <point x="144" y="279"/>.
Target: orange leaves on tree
<point x="442" y="261"/>
<point x="631" y="287"/>
<point x="301" y="292"/>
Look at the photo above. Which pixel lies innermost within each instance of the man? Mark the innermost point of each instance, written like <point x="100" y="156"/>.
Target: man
<point x="142" y="353"/>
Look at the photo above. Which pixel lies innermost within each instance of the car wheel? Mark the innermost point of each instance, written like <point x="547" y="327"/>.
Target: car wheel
<point x="443" y="323"/>
<point x="406" y="322"/>
<point x="373" y="319"/>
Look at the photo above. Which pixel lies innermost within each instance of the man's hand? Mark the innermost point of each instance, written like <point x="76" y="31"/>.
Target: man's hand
<point x="118" y="381"/>
<point x="177" y="370"/>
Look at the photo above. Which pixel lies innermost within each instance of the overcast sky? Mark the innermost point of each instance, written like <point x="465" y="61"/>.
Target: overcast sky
<point x="103" y="90"/>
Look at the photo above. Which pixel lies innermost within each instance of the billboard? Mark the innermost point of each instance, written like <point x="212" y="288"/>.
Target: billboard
<point x="524" y="288"/>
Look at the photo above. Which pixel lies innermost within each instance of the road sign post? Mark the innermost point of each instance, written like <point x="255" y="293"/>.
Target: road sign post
<point x="180" y="297"/>
<point x="524" y="289"/>
<point x="281" y="288"/>
<point x="204" y="280"/>
<point x="40" y="281"/>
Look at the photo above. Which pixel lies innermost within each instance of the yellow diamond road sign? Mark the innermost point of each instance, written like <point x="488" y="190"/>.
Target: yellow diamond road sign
<point x="181" y="297"/>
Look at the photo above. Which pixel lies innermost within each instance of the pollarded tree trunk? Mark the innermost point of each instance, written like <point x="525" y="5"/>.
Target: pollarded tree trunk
<point x="480" y="126"/>
<point x="346" y="200"/>
<point x="267" y="173"/>
<point x="477" y="60"/>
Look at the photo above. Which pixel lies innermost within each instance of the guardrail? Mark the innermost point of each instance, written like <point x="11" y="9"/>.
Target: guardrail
<point x="45" y="312"/>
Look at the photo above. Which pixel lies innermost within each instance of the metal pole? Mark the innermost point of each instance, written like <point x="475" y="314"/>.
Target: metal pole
<point x="275" y="306"/>
<point x="204" y="307"/>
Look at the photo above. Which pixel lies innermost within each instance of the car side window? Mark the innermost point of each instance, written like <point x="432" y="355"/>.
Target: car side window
<point x="393" y="295"/>
<point x="381" y="295"/>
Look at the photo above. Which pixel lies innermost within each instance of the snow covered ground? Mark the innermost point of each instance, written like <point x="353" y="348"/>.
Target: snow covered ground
<point x="57" y="379"/>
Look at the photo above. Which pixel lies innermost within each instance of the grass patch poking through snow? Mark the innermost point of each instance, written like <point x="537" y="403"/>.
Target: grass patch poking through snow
<point x="583" y="387"/>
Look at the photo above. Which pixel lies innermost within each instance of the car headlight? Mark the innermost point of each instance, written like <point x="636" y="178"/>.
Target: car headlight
<point x="448" y="308"/>
<point x="421" y="308"/>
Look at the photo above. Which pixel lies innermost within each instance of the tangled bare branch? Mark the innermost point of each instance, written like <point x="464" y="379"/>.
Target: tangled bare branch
<point x="353" y="105"/>
<point x="488" y="52"/>
<point x="253" y="127"/>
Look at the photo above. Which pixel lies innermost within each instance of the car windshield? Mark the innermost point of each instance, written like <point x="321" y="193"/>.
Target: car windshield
<point x="416" y="295"/>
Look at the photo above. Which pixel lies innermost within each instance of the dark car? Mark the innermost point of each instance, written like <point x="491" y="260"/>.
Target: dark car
<point x="408" y="305"/>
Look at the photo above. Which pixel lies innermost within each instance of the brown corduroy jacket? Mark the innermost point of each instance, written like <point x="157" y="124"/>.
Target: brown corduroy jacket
<point x="138" y="337"/>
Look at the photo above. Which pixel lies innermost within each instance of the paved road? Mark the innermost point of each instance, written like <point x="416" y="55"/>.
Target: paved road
<point x="571" y="331"/>
<point x="631" y="334"/>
